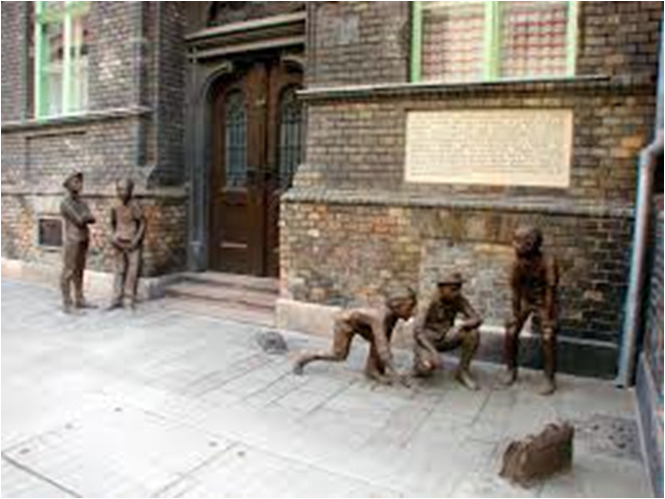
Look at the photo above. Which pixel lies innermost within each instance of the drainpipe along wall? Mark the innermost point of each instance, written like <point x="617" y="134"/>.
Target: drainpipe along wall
<point x="650" y="159"/>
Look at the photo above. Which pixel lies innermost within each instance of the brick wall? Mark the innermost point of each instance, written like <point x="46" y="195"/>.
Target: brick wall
<point x="352" y="226"/>
<point x="14" y="59"/>
<point x="357" y="42"/>
<point x="339" y="253"/>
<point x="133" y="128"/>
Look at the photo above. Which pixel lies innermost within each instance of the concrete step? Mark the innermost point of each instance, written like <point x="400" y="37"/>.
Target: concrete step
<point x="265" y="284"/>
<point x="238" y="296"/>
<point x="221" y="310"/>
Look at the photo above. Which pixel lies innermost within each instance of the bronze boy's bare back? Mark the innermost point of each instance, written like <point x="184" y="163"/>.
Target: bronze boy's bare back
<point x="374" y="325"/>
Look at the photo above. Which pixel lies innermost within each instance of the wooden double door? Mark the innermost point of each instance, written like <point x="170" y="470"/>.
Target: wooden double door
<point x="256" y="147"/>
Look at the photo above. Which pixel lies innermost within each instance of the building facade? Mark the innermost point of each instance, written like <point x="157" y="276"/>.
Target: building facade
<point x="345" y="147"/>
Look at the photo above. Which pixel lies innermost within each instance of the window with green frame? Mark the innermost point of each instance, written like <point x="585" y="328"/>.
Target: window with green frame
<point x="61" y="58"/>
<point x="488" y="41"/>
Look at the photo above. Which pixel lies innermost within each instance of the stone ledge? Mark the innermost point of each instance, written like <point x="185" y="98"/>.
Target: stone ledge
<point x="421" y="89"/>
<point x="575" y="356"/>
<point x="549" y="205"/>
<point x="97" y="285"/>
<point x="75" y="119"/>
<point x="109" y="192"/>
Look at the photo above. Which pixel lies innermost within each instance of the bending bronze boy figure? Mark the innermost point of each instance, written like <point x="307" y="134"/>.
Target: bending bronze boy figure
<point x="435" y="331"/>
<point x="76" y="216"/>
<point x="534" y="281"/>
<point x="128" y="226"/>
<point x="375" y="326"/>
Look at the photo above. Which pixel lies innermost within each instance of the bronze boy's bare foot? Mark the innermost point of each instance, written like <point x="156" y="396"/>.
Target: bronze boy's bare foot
<point x="376" y="327"/>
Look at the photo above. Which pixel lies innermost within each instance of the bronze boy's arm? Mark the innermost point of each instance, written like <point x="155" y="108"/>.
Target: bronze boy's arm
<point x="380" y="338"/>
<point x="471" y="318"/>
<point x="71" y="214"/>
<point x="516" y="294"/>
<point x="419" y="335"/>
<point x="140" y="231"/>
<point x="552" y="277"/>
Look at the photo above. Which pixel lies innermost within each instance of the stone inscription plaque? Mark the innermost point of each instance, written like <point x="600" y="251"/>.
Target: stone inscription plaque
<point x="520" y="147"/>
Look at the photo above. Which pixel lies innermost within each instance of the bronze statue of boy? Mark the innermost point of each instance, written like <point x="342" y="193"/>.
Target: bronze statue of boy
<point x="76" y="216"/>
<point x="534" y="281"/>
<point x="376" y="327"/>
<point x="128" y="229"/>
<point x="435" y="331"/>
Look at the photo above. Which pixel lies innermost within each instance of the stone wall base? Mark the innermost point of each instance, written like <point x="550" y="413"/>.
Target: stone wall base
<point x="575" y="356"/>
<point x="97" y="285"/>
<point x="650" y="421"/>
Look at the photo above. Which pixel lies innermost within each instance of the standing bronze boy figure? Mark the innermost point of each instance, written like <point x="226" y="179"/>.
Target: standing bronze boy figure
<point x="534" y="281"/>
<point x="128" y="228"/>
<point x="375" y="326"/>
<point x="435" y="331"/>
<point x="76" y="216"/>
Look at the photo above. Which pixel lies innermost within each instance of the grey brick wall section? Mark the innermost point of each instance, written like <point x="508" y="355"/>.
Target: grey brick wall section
<point x="14" y="60"/>
<point x="170" y="85"/>
<point x="357" y="42"/>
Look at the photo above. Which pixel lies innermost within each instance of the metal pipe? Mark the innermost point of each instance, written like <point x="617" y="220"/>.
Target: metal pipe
<point x="633" y="320"/>
<point x="647" y="165"/>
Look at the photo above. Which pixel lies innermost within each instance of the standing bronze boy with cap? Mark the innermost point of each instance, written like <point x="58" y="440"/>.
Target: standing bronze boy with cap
<point x="435" y="331"/>
<point x="76" y="216"/>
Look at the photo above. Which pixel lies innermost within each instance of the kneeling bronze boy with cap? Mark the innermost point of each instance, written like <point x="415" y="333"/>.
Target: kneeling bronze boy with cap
<point x="435" y="331"/>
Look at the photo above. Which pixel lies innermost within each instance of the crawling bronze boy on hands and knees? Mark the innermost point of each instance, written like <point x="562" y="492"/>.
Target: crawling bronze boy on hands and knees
<point x="375" y="326"/>
<point x="534" y="280"/>
<point x="128" y="226"/>
<point x="435" y="331"/>
<point x="76" y="216"/>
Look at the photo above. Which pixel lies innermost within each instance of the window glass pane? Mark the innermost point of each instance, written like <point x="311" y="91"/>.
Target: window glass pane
<point x="53" y="66"/>
<point x="235" y="143"/>
<point x="79" y="52"/>
<point x="453" y="34"/>
<point x="290" y="130"/>
<point x="533" y="38"/>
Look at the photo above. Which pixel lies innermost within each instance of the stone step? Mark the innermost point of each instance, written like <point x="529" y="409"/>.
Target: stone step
<point x="216" y="293"/>
<point x="266" y="284"/>
<point x="221" y="310"/>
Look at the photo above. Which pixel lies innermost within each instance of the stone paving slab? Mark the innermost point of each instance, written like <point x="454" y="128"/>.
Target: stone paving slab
<point x="159" y="402"/>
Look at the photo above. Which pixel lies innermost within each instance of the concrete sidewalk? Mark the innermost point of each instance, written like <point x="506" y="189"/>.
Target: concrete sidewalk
<point x="158" y="402"/>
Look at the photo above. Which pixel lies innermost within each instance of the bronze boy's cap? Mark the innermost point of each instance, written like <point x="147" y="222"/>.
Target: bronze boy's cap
<point x="450" y="278"/>
<point x="72" y="176"/>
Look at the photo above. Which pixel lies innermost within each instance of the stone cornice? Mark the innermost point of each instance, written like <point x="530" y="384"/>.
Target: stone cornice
<point x="521" y="204"/>
<point x="423" y="89"/>
<point x="75" y="119"/>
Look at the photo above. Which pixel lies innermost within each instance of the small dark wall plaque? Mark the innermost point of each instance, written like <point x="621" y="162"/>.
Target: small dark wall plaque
<point x="50" y="232"/>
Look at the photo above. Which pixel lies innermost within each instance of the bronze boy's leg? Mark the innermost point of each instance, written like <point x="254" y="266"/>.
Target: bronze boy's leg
<point x="81" y="253"/>
<point x="68" y="269"/>
<point x="548" y="347"/>
<point x="511" y="344"/>
<point x="468" y="341"/>
<point x="133" y="273"/>
<point x="341" y="345"/>
<point x="119" y="279"/>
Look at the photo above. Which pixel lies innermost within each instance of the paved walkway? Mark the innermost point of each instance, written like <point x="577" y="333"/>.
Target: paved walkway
<point x="162" y="403"/>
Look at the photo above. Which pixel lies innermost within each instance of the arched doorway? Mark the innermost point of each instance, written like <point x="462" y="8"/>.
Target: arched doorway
<point x="256" y="138"/>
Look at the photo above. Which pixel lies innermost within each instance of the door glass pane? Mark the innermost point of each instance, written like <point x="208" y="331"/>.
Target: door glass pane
<point x="235" y="142"/>
<point x="453" y="35"/>
<point x="533" y="38"/>
<point x="290" y="129"/>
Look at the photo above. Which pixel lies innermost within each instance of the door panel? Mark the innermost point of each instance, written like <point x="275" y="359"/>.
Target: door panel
<point x="245" y="172"/>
